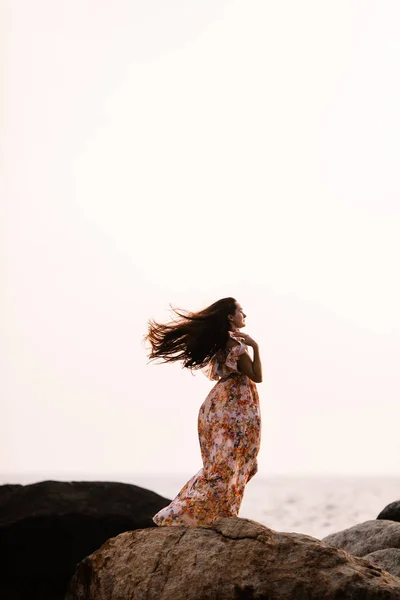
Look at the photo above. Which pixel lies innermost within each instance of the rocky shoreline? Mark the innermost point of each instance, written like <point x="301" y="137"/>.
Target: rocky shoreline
<point x="93" y="540"/>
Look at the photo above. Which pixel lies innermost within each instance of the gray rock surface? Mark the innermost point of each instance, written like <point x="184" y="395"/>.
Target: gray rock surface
<point x="234" y="558"/>
<point x="388" y="559"/>
<point x="367" y="537"/>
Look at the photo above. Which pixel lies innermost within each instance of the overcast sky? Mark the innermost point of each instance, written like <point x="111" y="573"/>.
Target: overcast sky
<point x="159" y="153"/>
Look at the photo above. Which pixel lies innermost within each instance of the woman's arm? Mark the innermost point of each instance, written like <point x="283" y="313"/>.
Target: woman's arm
<point x="257" y="368"/>
<point x="252" y="369"/>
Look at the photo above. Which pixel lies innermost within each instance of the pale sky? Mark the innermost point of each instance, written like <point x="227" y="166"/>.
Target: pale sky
<point x="159" y="153"/>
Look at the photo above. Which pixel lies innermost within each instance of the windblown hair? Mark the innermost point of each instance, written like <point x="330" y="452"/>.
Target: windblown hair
<point x="193" y="339"/>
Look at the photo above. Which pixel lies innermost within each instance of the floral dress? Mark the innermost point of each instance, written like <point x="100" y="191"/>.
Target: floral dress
<point x="229" y="429"/>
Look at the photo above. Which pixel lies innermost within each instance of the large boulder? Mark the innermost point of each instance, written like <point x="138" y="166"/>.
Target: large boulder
<point x="46" y="528"/>
<point x="234" y="558"/>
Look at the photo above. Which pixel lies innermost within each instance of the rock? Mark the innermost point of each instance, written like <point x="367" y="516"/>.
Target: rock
<point x="6" y="492"/>
<point x="388" y="559"/>
<point x="46" y="528"/>
<point x="234" y="558"/>
<point x="367" y="537"/>
<point x="391" y="512"/>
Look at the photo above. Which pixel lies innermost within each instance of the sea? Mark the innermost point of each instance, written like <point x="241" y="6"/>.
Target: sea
<point x="315" y="506"/>
<point x="312" y="505"/>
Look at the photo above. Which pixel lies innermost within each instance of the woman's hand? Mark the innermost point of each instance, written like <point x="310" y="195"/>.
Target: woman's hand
<point x="247" y="339"/>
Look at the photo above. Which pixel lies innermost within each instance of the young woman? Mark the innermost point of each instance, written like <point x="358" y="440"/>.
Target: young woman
<point x="229" y="421"/>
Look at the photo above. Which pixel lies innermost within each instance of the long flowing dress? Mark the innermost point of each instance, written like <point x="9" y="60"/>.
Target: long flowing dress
<point x="229" y="430"/>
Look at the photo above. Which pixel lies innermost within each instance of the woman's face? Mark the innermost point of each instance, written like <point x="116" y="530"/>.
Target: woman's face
<point x="238" y="319"/>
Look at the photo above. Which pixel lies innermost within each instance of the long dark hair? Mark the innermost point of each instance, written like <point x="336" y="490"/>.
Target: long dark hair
<point x="193" y="339"/>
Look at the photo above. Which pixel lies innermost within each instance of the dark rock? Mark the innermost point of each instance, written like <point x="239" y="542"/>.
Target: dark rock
<point x="46" y="528"/>
<point x="6" y="491"/>
<point x="234" y="559"/>
<point x="391" y="512"/>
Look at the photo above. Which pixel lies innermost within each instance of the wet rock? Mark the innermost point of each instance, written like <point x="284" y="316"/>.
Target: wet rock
<point x="391" y="512"/>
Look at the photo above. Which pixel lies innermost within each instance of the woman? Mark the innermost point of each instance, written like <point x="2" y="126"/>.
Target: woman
<point x="229" y="421"/>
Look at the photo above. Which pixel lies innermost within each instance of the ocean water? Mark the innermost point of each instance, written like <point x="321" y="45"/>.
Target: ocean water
<point x="315" y="506"/>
